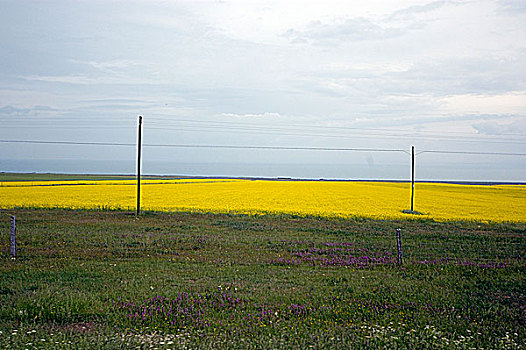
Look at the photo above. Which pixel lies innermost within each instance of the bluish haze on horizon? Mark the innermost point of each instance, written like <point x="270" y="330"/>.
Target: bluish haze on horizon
<point x="440" y="75"/>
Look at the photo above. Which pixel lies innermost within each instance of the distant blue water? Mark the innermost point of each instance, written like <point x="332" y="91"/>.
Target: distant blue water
<point x="463" y="172"/>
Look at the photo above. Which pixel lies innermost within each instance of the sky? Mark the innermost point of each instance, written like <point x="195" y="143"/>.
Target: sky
<point x="440" y="75"/>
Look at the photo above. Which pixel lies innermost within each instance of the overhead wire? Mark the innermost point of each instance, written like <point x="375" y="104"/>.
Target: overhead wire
<point x="154" y="119"/>
<point x="203" y="146"/>
<point x="259" y="147"/>
<point x="361" y="135"/>
<point x="472" y="153"/>
<point x="169" y="124"/>
<point x="157" y="123"/>
<point x="269" y="131"/>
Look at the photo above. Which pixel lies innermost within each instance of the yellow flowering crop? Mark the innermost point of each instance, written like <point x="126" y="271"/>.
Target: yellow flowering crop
<point x="379" y="200"/>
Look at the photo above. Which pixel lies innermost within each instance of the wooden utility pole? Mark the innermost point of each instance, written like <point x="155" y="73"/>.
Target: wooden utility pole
<point x="139" y="146"/>
<point x="412" y="177"/>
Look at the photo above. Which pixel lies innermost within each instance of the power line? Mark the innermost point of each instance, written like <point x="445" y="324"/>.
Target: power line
<point x="206" y="146"/>
<point x="303" y="128"/>
<point x="280" y="131"/>
<point x="70" y="143"/>
<point x="361" y="135"/>
<point x="283" y="148"/>
<point x="156" y="120"/>
<point x="473" y="153"/>
<point x="78" y="127"/>
<point x="259" y="147"/>
<point x="170" y="120"/>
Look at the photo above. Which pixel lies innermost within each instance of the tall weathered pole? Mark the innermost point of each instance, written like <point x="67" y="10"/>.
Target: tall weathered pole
<point x="139" y="146"/>
<point x="412" y="176"/>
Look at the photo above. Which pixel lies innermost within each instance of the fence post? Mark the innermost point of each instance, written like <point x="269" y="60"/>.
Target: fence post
<point x="399" y="246"/>
<point x="13" y="236"/>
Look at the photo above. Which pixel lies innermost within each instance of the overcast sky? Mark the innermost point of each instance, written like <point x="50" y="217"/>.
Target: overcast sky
<point x="440" y="75"/>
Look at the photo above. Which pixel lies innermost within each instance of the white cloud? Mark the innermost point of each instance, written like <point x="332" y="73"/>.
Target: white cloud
<point x="517" y="127"/>
<point x="16" y="111"/>
<point x="97" y="79"/>
<point x="350" y="27"/>
<point x="513" y="7"/>
<point x="346" y="30"/>
<point x="266" y="115"/>
<point x="507" y="103"/>
<point x="113" y="65"/>
<point x="68" y="79"/>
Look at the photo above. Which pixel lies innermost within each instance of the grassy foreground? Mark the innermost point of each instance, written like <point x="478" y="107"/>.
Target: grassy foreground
<point x="107" y="280"/>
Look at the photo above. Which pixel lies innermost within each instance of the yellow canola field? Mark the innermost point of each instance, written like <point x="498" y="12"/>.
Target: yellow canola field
<point x="379" y="200"/>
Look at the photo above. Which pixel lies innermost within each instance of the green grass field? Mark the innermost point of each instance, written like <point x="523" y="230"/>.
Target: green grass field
<point x="72" y="177"/>
<point x="109" y="280"/>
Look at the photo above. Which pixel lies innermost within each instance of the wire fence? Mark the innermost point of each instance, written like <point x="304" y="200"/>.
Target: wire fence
<point x="331" y="244"/>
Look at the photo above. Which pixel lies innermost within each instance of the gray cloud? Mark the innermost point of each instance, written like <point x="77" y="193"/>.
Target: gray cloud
<point x="493" y="127"/>
<point x="348" y="30"/>
<point x="266" y="115"/>
<point x="356" y="29"/>
<point x="437" y="77"/>
<point x="416" y="121"/>
<point x="461" y="75"/>
<point x="412" y="11"/>
<point x="16" y="111"/>
<point x="513" y="7"/>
